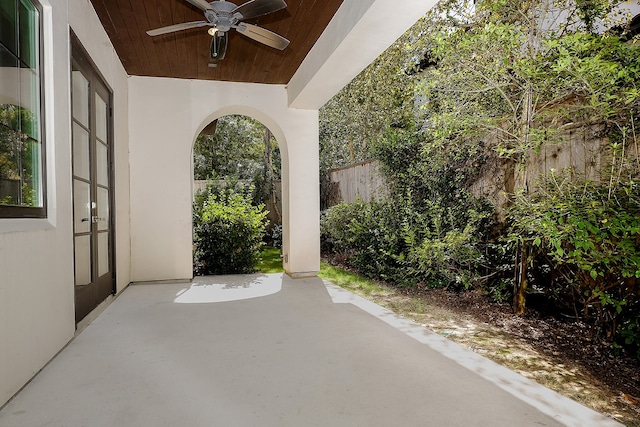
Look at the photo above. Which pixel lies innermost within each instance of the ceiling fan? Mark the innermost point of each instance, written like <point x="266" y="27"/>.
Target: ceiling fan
<point x="221" y="16"/>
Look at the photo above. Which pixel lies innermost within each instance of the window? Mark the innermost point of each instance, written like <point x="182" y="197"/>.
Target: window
<point x="21" y="141"/>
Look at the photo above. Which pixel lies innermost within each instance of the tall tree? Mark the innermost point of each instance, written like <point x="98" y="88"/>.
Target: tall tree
<point x="511" y="74"/>
<point x="235" y="149"/>
<point x="379" y="98"/>
<point x="506" y="68"/>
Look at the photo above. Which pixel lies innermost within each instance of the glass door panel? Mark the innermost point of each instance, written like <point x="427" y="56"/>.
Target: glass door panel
<point x="102" y="207"/>
<point x="80" y="152"/>
<point x="103" y="254"/>
<point x="102" y="163"/>
<point x="80" y="97"/>
<point x="83" y="260"/>
<point x="81" y="206"/>
<point x="102" y="119"/>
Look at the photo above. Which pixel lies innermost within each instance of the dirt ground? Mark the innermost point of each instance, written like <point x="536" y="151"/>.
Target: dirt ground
<point x="561" y="354"/>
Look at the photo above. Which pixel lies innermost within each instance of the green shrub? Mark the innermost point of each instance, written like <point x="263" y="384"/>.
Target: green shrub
<point x="589" y="235"/>
<point x="448" y="260"/>
<point x="392" y="241"/>
<point x="228" y="232"/>
<point x="496" y="272"/>
<point x="365" y="235"/>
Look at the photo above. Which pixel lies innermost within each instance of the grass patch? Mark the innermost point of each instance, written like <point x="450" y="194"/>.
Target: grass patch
<point x="350" y="281"/>
<point x="270" y="260"/>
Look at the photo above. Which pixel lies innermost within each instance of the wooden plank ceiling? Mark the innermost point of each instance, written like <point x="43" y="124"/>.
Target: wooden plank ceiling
<point x="185" y="54"/>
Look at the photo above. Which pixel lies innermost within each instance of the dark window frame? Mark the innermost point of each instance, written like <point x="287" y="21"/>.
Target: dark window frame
<point x="17" y="212"/>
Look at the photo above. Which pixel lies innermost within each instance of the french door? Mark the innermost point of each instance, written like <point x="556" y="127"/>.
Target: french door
<point x="92" y="188"/>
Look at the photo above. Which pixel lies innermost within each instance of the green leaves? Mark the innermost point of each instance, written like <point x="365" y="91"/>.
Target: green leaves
<point x="379" y="98"/>
<point x="228" y="232"/>
<point x="494" y="77"/>
<point x="236" y="148"/>
<point x="396" y="242"/>
<point x="589" y="232"/>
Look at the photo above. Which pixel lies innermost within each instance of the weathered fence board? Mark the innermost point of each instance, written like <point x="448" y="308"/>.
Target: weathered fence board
<point x="581" y="149"/>
<point x="362" y="180"/>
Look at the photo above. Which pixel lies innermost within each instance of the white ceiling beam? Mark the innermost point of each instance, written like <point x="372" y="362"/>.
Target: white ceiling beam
<point x="358" y="33"/>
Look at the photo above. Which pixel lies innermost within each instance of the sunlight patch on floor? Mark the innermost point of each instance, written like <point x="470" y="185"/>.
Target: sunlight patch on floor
<point x="213" y="289"/>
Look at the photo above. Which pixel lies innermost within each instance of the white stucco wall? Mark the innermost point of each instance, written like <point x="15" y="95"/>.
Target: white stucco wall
<point x="36" y="256"/>
<point x="166" y="115"/>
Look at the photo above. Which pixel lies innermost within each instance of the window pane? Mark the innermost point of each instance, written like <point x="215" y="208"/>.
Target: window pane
<point x="103" y="253"/>
<point x="81" y="206"/>
<point x="80" y="93"/>
<point x="31" y="167"/>
<point x="21" y="152"/>
<point x="30" y="103"/>
<point x="8" y="25"/>
<point x="9" y="90"/>
<point x="103" y="209"/>
<point x="7" y="59"/>
<point x="102" y="164"/>
<point x="83" y="260"/>
<point x="10" y="144"/>
<point x="29" y="37"/>
<point x="80" y="152"/>
<point x="101" y="119"/>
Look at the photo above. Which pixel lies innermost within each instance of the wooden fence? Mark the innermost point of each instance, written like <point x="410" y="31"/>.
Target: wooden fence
<point x="362" y="180"/>
<point x="581" y="148"/>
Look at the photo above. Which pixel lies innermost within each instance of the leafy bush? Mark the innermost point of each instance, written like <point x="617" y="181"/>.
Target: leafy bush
<point x="392" y="241"/>
<point x="589" y="233"/>
<point x="450" y="259"/>
<point x="497" y="265"/>
<point x="366" y="236"/>
<point x="228" y="231"/>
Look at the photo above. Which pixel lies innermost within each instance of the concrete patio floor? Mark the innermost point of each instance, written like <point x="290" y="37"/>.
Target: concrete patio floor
<point x="265" y="350"/>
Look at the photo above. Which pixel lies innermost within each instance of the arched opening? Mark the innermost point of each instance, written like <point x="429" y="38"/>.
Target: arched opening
<point x="236" y="160"/>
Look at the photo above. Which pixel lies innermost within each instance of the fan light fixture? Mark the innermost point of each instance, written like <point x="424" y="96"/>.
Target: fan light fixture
<point x="222" y="16"/>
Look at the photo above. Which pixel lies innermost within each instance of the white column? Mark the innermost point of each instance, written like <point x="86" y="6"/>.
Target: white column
<point x="301" y="195"/>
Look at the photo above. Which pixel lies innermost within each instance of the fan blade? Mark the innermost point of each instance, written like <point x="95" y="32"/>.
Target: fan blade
<point x="263" y="35"/>
<point x="201" y="4"/>
<point x="177" y="27"/>
<point x="254" y="8"/>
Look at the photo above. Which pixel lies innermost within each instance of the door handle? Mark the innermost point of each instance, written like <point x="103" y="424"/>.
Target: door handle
<point x="95" y="219"/>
